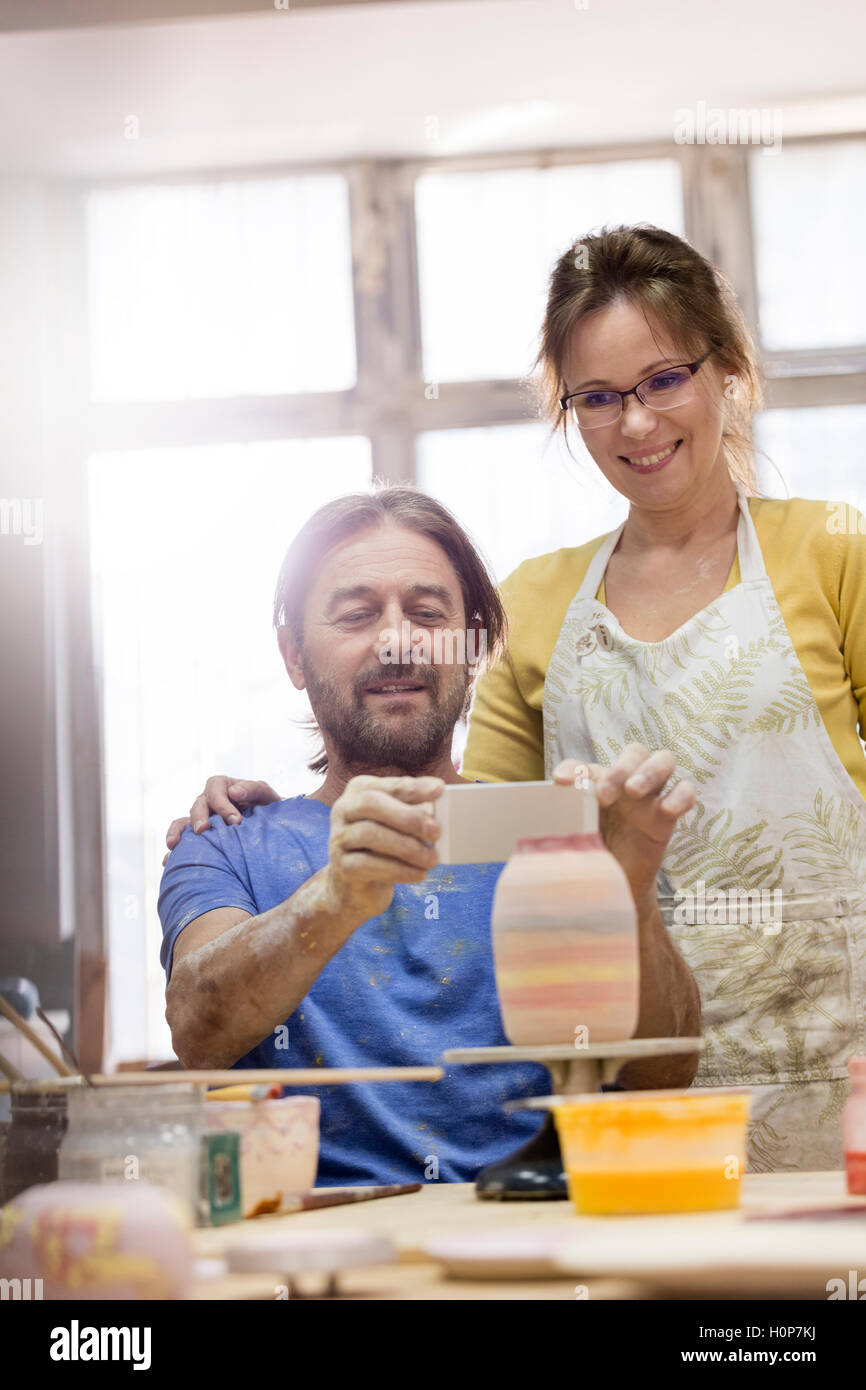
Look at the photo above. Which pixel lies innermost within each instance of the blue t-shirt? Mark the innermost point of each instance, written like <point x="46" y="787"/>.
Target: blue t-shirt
<point x="406" y="986"/>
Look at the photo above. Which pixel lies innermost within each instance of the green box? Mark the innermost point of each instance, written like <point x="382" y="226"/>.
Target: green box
<point x="220" y="1188"/>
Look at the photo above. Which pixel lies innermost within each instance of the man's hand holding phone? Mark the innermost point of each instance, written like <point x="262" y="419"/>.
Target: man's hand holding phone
<point x="382" y="829"/>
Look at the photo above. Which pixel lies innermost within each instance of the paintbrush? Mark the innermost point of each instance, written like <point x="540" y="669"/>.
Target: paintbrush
<point x="808" y="1214"/>
<point x="64" y="1048"/>
<point x="337" y="1196"/>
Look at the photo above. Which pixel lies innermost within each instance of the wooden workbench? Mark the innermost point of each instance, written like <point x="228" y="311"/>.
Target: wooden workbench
<point x="440" y="1209"/>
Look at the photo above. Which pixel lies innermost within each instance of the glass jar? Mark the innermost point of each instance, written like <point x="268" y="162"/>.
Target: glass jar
<point x="37" y="1125"/>
<point x="126" y="1133"/>
<point x="854" y="1128"/>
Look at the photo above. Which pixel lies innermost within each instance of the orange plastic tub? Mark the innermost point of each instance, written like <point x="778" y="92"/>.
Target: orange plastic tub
<point x="656" y="1151"/>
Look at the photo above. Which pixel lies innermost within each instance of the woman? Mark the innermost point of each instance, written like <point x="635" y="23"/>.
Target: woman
<point x="725" y="628"/>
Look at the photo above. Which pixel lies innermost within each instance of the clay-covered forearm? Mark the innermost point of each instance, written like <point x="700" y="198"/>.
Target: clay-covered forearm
<point x="670" y="1007"/>
<point x="230" y="994"/>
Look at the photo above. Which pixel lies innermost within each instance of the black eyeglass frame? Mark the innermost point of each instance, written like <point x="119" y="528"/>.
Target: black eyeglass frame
<point x="693" y="367"/>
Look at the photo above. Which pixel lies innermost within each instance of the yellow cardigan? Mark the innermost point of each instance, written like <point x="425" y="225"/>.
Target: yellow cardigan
<point x="815" y="554"/>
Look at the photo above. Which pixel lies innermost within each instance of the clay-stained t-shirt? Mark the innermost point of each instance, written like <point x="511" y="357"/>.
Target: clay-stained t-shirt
<point x="406" y="986"/>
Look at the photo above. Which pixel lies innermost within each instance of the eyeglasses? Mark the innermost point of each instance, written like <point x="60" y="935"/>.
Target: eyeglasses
<point x="661" y="391"/>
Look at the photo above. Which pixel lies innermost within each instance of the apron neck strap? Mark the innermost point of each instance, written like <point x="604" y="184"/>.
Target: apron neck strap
<point x="598" y="564"/>
<point x="748" y="546"/>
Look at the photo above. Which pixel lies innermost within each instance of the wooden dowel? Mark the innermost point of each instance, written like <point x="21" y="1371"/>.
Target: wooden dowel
<point x="34" y="1039"/>
<point x="9" y="1070"/>
<point x="312" y="1076"/>
<point x="280" y="1076"/>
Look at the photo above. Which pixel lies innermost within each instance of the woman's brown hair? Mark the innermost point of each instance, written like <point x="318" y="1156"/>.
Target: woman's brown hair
<point x="684" y="293"/>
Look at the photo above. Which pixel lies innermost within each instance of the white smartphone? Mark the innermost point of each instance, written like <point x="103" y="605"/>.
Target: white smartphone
<point x="483" y="821"/>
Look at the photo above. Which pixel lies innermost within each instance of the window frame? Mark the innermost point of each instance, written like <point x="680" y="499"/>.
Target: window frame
<point x="388" y="403"/>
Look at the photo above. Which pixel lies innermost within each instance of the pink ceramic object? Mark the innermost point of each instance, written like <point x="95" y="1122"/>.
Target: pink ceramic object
<point x="76" y="1240"/>
<point x="279" y="1147"/>
<point x="565" y="944"/>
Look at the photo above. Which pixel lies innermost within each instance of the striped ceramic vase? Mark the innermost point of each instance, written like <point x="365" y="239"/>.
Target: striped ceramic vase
<point x="565" y="944"/>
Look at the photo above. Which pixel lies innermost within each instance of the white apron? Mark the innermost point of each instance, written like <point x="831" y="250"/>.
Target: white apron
<point x="781" y="984"/>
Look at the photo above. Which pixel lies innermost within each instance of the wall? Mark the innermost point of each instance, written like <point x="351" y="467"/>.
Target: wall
<point x="51" y="793"/>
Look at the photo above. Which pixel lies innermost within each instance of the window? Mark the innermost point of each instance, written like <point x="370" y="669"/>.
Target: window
<point x="819" y="452"/>
<point x="221" y="289"/>
<point x="517" y="491"/>
<point x="186" y="549"/>
<point x="222" y="328"/>
<point x="487" y="243"/>
<point x="809" y="204"/>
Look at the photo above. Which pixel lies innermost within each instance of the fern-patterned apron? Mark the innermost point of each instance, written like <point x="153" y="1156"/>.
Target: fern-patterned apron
<point x="783" y="995"/>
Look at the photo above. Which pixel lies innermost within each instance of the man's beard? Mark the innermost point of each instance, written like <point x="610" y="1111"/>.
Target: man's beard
<point x="364" y="741"/>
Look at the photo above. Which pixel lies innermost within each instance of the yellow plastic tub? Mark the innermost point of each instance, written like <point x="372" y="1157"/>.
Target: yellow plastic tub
<point x="656" y="1151"/>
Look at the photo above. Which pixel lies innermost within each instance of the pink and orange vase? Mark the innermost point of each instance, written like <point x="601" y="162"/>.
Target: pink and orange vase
<point x="565" y="944"/>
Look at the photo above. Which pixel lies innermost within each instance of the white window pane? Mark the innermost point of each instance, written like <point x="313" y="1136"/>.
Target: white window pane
<point x="186" y="549"/>
<point x="487" y="243"/>
<point x="518" y="494"/>
<point x="221" y="289"/>
<point x="820" y="452"/>
<point x="809" y="205"/>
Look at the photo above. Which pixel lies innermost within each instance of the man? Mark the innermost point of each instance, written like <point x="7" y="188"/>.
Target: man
<point x="321" y="930"/>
